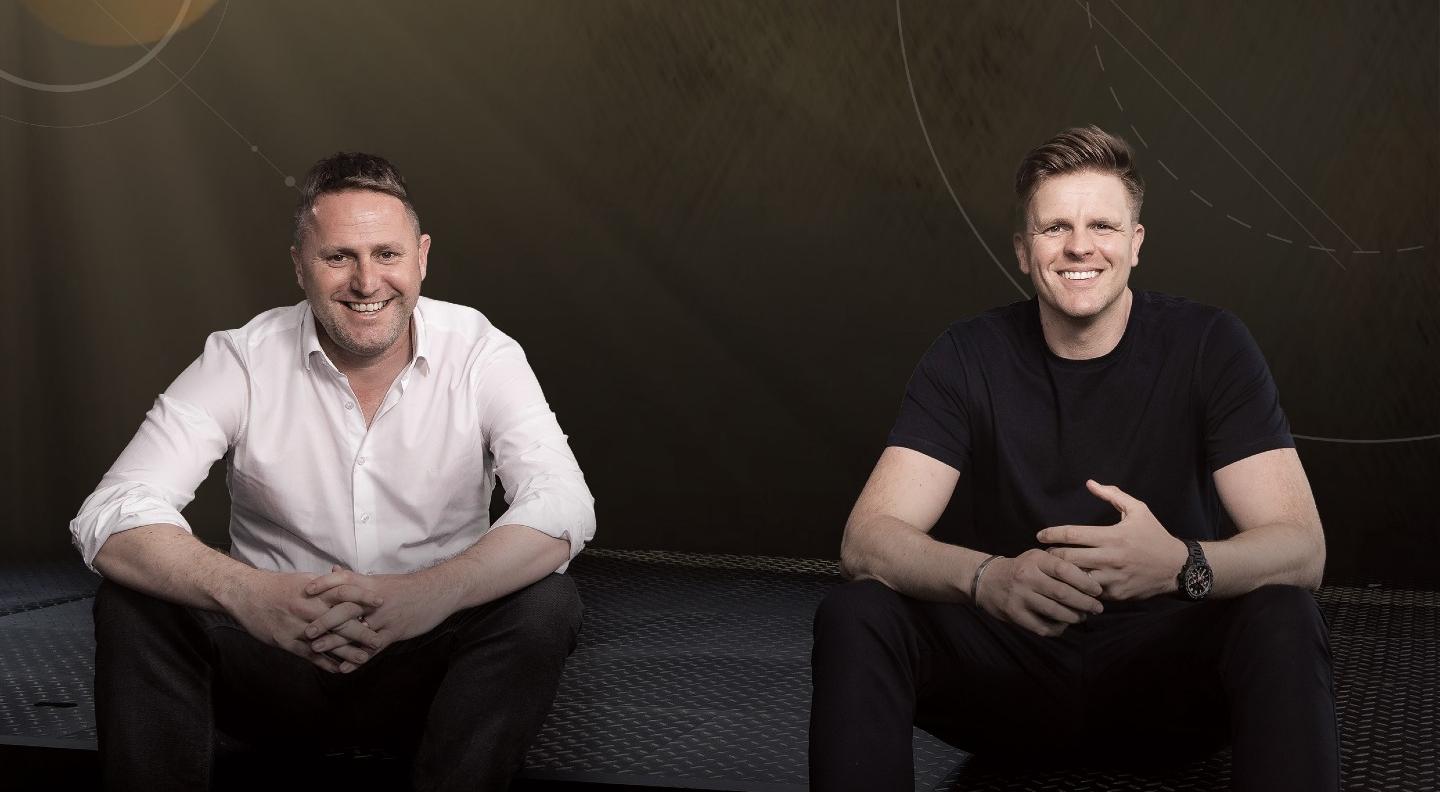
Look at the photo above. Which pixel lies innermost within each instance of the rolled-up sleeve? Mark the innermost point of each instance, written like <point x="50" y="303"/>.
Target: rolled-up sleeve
<point x="190" y="426"/>
<point x="543" y="484"/>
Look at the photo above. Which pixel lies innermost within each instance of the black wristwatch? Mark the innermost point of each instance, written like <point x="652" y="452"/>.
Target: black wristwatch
<point x="1195" y="578"/>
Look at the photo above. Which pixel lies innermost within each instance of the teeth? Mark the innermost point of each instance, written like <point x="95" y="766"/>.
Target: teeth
<point x="1085" y="275"/>
<point x="367" y="307"/>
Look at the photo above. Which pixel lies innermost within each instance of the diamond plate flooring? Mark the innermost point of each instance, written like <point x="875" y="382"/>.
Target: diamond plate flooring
<point x="693" y="672"/>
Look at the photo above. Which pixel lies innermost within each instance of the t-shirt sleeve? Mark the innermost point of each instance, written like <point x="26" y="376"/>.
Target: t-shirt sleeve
<point x="1241" y="404"/>
<point x="933" y="417"/>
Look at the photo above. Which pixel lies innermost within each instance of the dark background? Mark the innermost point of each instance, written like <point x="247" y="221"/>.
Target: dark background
<point x="718" y="228"/>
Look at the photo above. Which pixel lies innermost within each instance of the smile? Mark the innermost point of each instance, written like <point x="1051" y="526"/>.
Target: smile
<point x="1079" y="274"/>
<point x="370" y="307"/>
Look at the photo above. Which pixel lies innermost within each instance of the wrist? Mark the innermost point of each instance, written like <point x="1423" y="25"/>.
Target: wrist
<point x="235" y="584"/>
<point x="980" y="570"/>
<point x="1175" y="559"/>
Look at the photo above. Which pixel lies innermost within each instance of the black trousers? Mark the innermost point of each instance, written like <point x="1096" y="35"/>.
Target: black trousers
<point x="1143" y="684"/>
<point x="465" y="700"/>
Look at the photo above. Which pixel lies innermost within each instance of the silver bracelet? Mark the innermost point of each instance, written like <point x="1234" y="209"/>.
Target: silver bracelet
<point x="975" y="584"/>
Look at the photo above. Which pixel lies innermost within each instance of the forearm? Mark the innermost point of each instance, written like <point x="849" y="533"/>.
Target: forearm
<point x="908" y="560"/>
<point x="1281" y="553"/>
<point x="504" y="560"/>
<point x="167" y="562"/>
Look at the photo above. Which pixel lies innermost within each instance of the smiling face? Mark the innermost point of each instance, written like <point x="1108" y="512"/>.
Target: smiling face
<point x="1078" y="243"/>
<point x="360" y="262"/>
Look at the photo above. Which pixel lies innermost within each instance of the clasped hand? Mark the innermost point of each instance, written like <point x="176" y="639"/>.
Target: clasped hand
<point x="1046" y="591"/>
<point x="339" y="620"/>
<point x="403" y="607"/>
<point x="1136" y="558"/>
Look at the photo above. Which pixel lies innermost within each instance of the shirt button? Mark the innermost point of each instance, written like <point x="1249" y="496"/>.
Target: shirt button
<point x="349" y="405"/>
<point x="360" y="461"/>
<point x="364" y="518"/>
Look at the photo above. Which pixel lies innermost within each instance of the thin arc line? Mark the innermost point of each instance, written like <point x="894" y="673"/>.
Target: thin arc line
<point x="181" y="80"/>
<point x="224" y="9"/>
<point x="117" y="76"/>
<point x="1117" y="99"/>
<point x="1379" y="441"/>
<point x="1365" y="252"/>
<point x="905" y="60"/>
<point x="1280" y="238"/>
<point x="1212" y="136"/>
<point x="1202" y="199"/>
<point x="1146" y="144"/>
<point x="1234" y="123"/>
<point x="900" y="25"/>
<point x="1316" y="246"/>
<point x="1162" y="164"/>
<point x="1238" y="220"/>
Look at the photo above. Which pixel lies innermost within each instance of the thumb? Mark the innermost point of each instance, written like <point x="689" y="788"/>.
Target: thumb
<point x="1112" y="495"/>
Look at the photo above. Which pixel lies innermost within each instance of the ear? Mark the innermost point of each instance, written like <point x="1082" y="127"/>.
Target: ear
<point x="1020" y="255"/>
<point x="1137" y="238"/>
<point x="424" y="254"/>
<point x="299" y="268"/>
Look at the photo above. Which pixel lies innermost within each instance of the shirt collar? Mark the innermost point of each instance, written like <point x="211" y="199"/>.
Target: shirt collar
<point x="310" y="340"/>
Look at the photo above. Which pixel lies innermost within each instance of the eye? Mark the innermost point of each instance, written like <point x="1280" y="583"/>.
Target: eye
<point x="388" y="255"/>
<point x="335" y="259"/>
<point x="1104" y="228"/>
<point x="1054" y="230"/>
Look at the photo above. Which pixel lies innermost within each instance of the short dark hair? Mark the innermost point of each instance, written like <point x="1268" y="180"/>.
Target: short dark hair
<point x="1075" y="150"/>
<point x="350" y="170"/>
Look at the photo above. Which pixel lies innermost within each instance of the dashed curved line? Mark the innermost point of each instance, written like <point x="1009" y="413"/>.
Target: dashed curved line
<point x="1139" y="136"/>
<point x="924" y="130"/>
<point x="1377" y="441"/>
<point x="1143" y="142"/>
<point x="1321" y="248"/>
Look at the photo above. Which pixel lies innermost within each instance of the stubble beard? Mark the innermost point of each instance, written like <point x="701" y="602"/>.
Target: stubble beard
<point x="332" y="321"/>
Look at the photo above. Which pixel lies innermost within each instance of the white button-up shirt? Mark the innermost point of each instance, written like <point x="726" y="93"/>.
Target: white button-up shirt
<point x="311" y="485"/>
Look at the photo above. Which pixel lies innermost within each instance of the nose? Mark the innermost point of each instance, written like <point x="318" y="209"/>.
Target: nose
<point x="1080" y="243"/>
<point x="365" y="278"/>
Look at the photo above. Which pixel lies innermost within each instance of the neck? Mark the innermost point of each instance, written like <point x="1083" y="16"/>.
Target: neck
<point x="1092" y="337"/>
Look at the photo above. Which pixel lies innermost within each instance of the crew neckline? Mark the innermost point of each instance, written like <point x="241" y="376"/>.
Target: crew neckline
<point x="1137" y="301"/>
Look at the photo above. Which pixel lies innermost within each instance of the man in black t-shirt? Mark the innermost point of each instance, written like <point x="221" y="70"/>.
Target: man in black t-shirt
<point x="1101" y="617"/>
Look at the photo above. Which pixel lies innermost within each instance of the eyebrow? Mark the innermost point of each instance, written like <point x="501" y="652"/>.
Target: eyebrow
<point x="1047" y="222"/>
<point x="378" y="247"/>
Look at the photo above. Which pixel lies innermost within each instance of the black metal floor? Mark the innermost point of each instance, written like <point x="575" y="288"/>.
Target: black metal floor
<point x="693" y="672"/>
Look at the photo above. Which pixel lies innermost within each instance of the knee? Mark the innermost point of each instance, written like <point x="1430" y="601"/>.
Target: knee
<point x="546" y="617"/>
<point x="121" y="609"/>
<point x="859" y="611"/>
<point x="1280" y="622"/>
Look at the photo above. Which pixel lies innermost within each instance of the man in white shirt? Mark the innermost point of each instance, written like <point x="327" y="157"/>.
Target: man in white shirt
<point x="366" y="597"/>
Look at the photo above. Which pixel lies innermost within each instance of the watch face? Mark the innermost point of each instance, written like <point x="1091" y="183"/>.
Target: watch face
<point x="1198" y="578"/>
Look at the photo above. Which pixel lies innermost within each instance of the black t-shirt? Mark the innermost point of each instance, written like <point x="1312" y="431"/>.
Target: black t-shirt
<point x="1185" y="393"/>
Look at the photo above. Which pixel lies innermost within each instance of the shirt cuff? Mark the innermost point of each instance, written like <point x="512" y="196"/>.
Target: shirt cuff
<point x="119" y="508"/>
<point x="563" y="515"/>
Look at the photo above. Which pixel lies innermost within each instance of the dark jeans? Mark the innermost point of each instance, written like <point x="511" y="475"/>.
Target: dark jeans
<point x="1142" y="684"/>
<point x="465" y="700"/>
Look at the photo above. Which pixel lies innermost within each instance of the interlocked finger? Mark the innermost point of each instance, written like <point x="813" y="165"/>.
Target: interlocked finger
<point x="336" y="616"/>
<point x="349" y="592"/>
